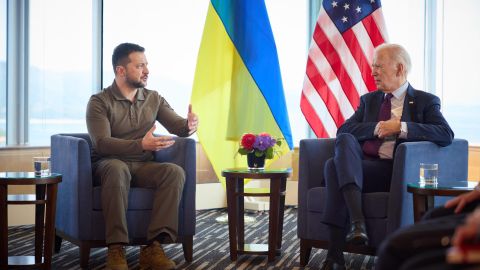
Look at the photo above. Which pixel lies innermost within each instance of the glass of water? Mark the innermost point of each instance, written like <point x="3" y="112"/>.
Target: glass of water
<point x="429" y="174"/>
<point x="41" y="166"/>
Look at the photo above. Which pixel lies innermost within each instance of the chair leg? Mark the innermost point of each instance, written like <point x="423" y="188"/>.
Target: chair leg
<point x="187" y="245"/>
<point x="84" y="254"/>
<point x="58" y="243"/>
<point x="305" y="250"/>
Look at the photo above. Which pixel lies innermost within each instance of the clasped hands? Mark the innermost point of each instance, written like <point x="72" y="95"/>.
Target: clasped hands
<point x="388" y="128"/>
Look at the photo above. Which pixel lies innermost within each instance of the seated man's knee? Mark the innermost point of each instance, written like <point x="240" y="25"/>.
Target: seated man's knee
<point x="176" y="174"/>
<point x="342" y="137"/>
<point x="113" y="172"/>
<point x="345" y="139"/>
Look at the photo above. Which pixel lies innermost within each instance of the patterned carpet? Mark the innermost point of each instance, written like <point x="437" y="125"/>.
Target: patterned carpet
<point x="211" y="247"/>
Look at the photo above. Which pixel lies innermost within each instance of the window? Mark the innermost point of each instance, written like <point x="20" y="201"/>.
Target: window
<point x="3" y="72"/>
<point x="408" y="32"/>
<point x="460" y="93"/>
<point x="60" y="79"/>
<point x="170" y="34"/>
<point x="172" y="51"/>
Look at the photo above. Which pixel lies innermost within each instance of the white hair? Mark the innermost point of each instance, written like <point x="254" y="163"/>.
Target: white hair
<point x="398" y="54"/>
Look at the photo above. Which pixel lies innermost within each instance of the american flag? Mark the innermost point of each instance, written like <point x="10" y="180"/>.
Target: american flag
<point x="339" y="62"/>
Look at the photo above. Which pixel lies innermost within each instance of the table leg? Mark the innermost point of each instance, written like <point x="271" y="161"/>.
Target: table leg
<point x="3" y="228"/>
<point x="430" y="202"/>
<point x="39" y="223"/>
<point x="274" y="218"/>
<point x="241" y="214"/>
<point x="231" y="184"/>
<point x="420" y="206"/>
<point x="283" y="189"/>
<point x="50" y="224"/>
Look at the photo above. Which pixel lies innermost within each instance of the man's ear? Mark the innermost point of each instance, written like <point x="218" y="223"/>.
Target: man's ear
<point x="400" y="70"/>
<point x="120" y="71"/>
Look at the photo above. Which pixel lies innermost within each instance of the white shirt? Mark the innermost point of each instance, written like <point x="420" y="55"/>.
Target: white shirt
<point x="386" y="149"/>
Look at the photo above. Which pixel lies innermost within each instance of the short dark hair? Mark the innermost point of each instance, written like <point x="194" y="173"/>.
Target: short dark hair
<point x="121" y="53"/>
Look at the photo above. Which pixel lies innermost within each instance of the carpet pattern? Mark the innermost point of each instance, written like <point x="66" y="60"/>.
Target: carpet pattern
<point x="211" y="247"/>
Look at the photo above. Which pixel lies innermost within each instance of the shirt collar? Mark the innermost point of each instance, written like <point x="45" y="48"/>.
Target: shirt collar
<point x="116" y="92"/>
<point x="141" y="94"/>
<point x="401" y="91"/>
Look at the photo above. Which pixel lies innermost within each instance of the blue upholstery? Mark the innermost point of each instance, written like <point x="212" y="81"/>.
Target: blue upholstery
<point x="384" y="211"/>
<point x="79" y="212"/>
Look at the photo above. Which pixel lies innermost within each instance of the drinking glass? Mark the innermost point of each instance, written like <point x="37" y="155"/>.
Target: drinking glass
<point x="429" y="174"/>
<point x="41" y="166"/>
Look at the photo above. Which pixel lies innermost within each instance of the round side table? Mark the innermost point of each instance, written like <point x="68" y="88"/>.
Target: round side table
<point x="235" y="207"/>
<point x="423" y="195"/>
<point x="45" y="201"/>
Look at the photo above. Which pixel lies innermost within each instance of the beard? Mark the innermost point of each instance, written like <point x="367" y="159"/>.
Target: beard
<point x="135" y="83"/>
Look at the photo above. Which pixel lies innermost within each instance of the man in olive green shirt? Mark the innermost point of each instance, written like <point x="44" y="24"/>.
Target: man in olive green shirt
<point x="120" y="121"/>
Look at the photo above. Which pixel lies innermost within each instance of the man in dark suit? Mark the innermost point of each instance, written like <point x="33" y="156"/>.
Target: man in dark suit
<point x="366" y="143"/>
<point x="424" y="245"/>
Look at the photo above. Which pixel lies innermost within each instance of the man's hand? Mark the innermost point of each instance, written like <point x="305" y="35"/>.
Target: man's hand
<point x="152" y="143"/>
<point x="192" y="120"/>
<point x="467" y="232"/>
<point x="389" y="127"/>
<point x="461" y="200"/>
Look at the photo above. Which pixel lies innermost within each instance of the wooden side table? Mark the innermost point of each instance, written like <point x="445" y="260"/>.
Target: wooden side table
<point x="235" y="204"/>
<point x="45" y="201"/>
<point x="423" y="195"/>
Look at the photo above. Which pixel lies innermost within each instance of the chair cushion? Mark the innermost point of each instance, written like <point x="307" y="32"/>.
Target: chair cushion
<point x="375" y="204"/>
<point x="138" y="198"/>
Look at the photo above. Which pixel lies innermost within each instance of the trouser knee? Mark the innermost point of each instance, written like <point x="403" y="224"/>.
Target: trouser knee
<point x="345" y="138"/>
<point x="114" y="173"/>
<point x="176" y="175"/>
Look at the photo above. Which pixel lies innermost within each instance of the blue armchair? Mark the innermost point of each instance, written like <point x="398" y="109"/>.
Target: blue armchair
<point x="384" y="211"/>
<point x="79" y="212"/>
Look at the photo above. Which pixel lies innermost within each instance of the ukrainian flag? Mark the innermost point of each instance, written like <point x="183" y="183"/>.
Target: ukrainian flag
<point x="238" y="87"/>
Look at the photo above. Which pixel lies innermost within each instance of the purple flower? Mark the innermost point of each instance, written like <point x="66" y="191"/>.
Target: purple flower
<point x="263" y="142"/>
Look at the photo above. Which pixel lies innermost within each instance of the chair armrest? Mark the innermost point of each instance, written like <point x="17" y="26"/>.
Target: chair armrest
<point x="312" y="157"/>
<point x="452" y="165"/>
<point x="70" y="156"/>
<point x="183" y="153"/>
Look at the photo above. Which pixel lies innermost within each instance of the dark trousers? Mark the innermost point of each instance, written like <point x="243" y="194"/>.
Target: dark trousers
<point x="423" y="245"/>
<point x="348" y="166"/>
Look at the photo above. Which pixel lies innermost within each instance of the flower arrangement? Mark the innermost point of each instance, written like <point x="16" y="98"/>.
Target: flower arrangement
<point x="262" y="145"/>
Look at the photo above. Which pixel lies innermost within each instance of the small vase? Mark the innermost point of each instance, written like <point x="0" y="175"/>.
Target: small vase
<point x="254" y="162"/>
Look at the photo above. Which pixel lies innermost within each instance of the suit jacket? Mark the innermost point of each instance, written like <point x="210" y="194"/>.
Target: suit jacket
<point x="421" y="112"/>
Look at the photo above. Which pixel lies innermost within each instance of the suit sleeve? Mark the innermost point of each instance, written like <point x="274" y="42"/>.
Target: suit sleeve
<point x="431" y="125"/>
<point x="357" y="125"/>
